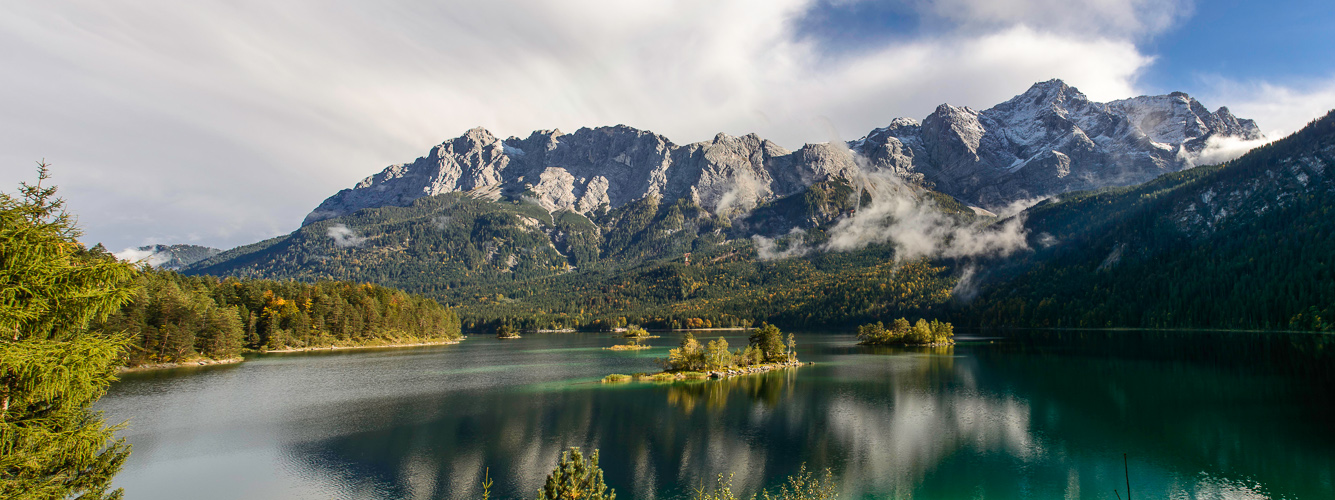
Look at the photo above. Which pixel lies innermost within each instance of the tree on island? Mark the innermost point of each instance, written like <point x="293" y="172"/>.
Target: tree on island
<point x="769" y="340"/>
<point x="901" y="333"/>
<point x="575" y="477"/>
<point x="506" y="331"/>
<point x="689" y="357"/>
<point x="634" y="331"/>
<point x="765" y="345"/>
<point x="52" y="369"/>
<point x="717" y="356"/>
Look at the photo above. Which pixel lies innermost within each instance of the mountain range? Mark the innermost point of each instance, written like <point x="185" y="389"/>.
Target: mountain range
<point x="613" y="225"/>
<point x="1049" y="140"/>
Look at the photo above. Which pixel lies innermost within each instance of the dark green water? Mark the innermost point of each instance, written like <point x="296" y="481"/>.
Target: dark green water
<point x="1035" y="415"/>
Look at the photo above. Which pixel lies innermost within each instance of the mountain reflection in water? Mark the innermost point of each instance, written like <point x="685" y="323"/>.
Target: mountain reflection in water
<point x="1038" y="415"/>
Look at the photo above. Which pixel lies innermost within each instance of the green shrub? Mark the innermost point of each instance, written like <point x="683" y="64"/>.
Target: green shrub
<point x="801" y="486"/>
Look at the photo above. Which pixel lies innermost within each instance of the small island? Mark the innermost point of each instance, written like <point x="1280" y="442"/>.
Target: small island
<point x="507" y="332"/>
<point x="634" y="336"/>
<point x="765" y="351"/>
<point x="633" y="344"/>
<point x="635" y="332"/>
<point x="922" y="333"/>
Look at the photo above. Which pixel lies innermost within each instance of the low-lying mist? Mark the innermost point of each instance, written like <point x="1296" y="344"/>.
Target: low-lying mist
<point x="902" y="215"/>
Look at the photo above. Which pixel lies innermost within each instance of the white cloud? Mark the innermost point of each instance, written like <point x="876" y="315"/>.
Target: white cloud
<point x="344" y="237"/>
<point x="794" y="245"/>
<point x="134" y="254"/>
<point x="1221" y="149"/>
<point x="1278" y="109"/>
<point x="918" y="229"/>
<point x="224" y="122"/>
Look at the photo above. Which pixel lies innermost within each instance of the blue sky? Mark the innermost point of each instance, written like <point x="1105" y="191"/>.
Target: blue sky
<point x="223" y="122"/>
<point x="1289" y="41"/>
<point x="1246" y="40"/>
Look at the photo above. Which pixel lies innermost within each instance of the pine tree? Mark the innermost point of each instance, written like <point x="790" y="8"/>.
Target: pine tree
<point x="576" y="478"/>
<point x="51" y="368"/>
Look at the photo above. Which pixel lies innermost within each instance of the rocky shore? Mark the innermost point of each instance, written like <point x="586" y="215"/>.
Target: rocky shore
<point x="751" y="370"/>
<point x="711" y="374"/>
<point x="369" y="346"/>
<point x="183" y="364"/>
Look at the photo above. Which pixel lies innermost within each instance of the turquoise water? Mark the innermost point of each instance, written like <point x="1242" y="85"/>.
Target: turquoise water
<point x="1025" y="415"/>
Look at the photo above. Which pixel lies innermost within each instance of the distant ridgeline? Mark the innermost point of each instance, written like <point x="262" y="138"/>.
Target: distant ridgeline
<point x="613" y="226"/>
<point x="1249" y="244"/>
<point x="178" y="318"/>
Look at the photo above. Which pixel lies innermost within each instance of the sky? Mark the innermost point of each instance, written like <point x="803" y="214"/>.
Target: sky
<point x="223" y="122"/>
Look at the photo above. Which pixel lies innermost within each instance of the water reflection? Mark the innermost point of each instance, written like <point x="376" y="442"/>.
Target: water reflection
<point x="769" y="389"/>
<point x="1046" y="415"/>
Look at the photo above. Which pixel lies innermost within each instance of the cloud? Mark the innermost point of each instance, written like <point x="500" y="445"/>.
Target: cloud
<point x="741" y="194"/>
<point x="147" y="255"/>
<point x="793" y="243"/>
<point x="1119" y="18"/>
<point x="966" y="287"/>
<point x="898" y="214"/>
<point x="1221" y="149"/>
<point x="225" y="122"/>
<point x="917" y="228"/>
<point x="344" y="237"/>
<point x="1279" y="110"/>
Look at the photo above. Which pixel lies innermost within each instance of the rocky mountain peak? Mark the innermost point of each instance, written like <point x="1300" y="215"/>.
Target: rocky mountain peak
<point x="1051" y="92"/>
<point x="1048" y="140"/>
<point x="596" y="167"/>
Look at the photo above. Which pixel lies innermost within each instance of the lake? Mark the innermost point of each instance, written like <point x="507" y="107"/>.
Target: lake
<point x="1019" y="415"/>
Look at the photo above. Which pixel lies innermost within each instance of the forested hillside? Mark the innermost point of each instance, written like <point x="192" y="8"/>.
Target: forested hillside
<point x="648" y="262"/>
<point x="174" y="317"/>
<point x="1247" y="244"/>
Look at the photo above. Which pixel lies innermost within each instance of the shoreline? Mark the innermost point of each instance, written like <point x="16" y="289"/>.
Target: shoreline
<point x="617" y="378"/>
<point x="239" y="359"/>
<point x="752" y="370"/>
<point x="722" y="329"/>
<point x="184" y="364"/>
<point x="934" y="344"/>
<point x="340" y="348"/>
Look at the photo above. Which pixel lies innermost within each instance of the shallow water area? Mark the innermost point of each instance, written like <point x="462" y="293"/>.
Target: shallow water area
<point x="1036" y="414"/>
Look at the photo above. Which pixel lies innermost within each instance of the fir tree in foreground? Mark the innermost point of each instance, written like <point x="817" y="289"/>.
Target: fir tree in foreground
<point x="51" y="368"/>
<point x="576" y="478"/>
